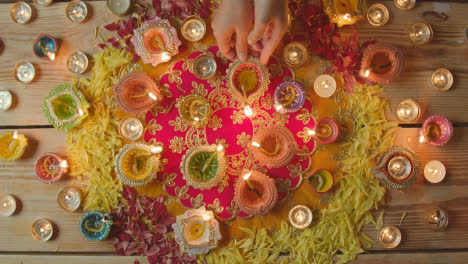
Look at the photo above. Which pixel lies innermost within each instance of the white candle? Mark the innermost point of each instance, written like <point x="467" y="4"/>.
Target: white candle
<point x="7" y="205"/>
<point x="325" y="86"/>
<point x="434" y="171"/>
<point x="131" y="128"/>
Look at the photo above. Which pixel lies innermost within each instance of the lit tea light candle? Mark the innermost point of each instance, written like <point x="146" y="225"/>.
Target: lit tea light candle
<point x="404" y="4"/>
<point x="42" y="230"/>
<point x="421" y="33"/>
<point x="44" y="2"/>
<point x="77" y="11"/>
<point x="6" y="99"/>
<point x="7" y="204"/>
<point x="377" y="15"/>
<point x="204" y="67"/>
<point x="21" y="12"/>
<point x="300" y="216"/>
<point x="437" y="219"/>
<point x="399" y="167"/>
<point x="193" y="29"/>
<point x="390" y="236"/>
<point x="408" y="110"/>
<point x="25" y="72"/>
<point x="131" y="128"/>
<point x="295" y="54"/>
<point x="69" y="198"/>
<point x="325" y="85"/>
<point x="246" y="178"/>
<point x="434" y="171"/>
<point x="442" y="79"/>
<point x="78" y="62"/>
<point x="119" y="7"/>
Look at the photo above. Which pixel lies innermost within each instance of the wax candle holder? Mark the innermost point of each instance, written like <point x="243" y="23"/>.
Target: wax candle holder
<point x="442" y="79"/>
<point x="42" y="230"/>
<point x="194" y="110"/>
<point x="119" y="7"/>
<point x="69" y="198"/>
<point x="378" y="15"/>
<point x="325" y="85"/>
<point x="25" y="72"/>
<point x="247" y="80"/>
<point x="6" y="99"/>
<point x="156" y="41"/>
<point x="321" y="180"/>
<point x="204" y="66"/>
<point x="193" y="28"/>
<point x="204" y="167"/>
<point x="273" y="146"/>
<point x="77" y="11"/>
<point x="50" y="167"/>
<point x="326" y="130"/>
<point x="344" y="12"/>
<point x="78" y="62"/>
<point x="295" y="54"/>
<point x="436" y="218"/>
<point x="45" y="47"/>
<point x="255" y="193"/>
<point x="65" y="107"/>
<point x="434" y="171"/>
<point x="390" y="236"/>
<point x="397" y="168"/>
<point x="436" y="130"/>
<point x="21" y="12"/>
<point x="289" y="97"/>
<point x="300" y="216"/>
<point x="137" y="164"/>
<point x="95" y="225"/>
<point x="7" y="204"/>
<point x="421" y="33"/>
<point x="404" y="4"/>
<point x="136" y="93"/>
<point x="131" y="128"/>
<point x="408" y="111"/>
<point x="12" y="145"/>
<point x="196" y="231"/>
<point x="44" y="2"/>
<point x="381" y="63"/>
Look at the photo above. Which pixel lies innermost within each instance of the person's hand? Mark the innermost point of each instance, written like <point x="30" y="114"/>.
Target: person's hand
<point x="271" y="22"/>
<point x="231" y="26"/>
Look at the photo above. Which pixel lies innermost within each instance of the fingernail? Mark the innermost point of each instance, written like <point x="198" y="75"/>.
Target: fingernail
<point x="242" y="56"/>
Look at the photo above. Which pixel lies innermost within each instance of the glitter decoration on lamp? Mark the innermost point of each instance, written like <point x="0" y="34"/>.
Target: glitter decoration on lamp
<point x="344" y="12"/>
<point x="289" y="97"/>
<point x="436" y="130"/>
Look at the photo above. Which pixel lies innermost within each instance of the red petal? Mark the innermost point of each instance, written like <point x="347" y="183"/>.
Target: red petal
<point x="135" y="58"/>
<point x="112" y="27"/>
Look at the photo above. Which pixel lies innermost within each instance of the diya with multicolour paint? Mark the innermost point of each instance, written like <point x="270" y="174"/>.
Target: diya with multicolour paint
<point x="326" y="130"/>
<point x="289" y="97"/>
<point x="436" y="130"/>
<point x="50" y="167"/>
<point x="381" y="63"/>
<point x="95" y="225"/>
<point x="194" y="110"/>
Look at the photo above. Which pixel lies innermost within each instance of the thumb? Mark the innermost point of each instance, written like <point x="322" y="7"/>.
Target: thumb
<point x="257" y="33"/>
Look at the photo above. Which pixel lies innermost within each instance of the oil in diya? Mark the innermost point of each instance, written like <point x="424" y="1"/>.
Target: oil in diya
<point x="69" y="198"/>
<point x="6" y="99"/>
<point x="436" y="130"/>
<point x="442" y="79"/>
<point x="193" y="28"/>
<point x="321" y="180"/>
<point x="436" y="218"/>
<point x="255" y="193"/>
<point x="325" y="85"/>
<point x="434" y="171"/>
<point x="404" y="4"/>
<point x="420" y="33"/>
<point x="119" y="7"/>
<point x="204" y="66"/>
<point x="295" y="54"/>
<point x="131" y="128"/>
<point x="42" y="230"/>
<point x="44" y="2"/>
<point x="408" y="110"/>
<point x="12" y="145"/>
<point x="399" y="167"/>
<point x="390" y="236"/>
<point x="77" y="11"/>
<point x="50" y="167"/>
<point x="77" y="62"/>
<point x="300" y="216"/>
<point x="45" y="47"/>
<point x="378" y="15"/>
<point x="7" y="204"/>
<point x="21" y="12"/>
<point x="25" y="72"/>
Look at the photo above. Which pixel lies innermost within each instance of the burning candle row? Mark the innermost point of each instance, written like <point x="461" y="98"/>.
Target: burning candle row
<point x="21" y="12"/>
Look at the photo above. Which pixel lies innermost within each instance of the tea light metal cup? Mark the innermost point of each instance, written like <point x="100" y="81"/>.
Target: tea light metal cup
<point x="21" y="12"/>
<point x="295" y="54"/>
<point x="434" y="171"/>
<point x="69" y="198"/>
<point x="77" y="11"/>
<point x="404" y="4"/>
<point x="42" y="230"/>
<point x="6" y="99"/>
<point x="78" y="62"/>
<point x="300" y="216"/>
<point x="44" y="2"/>
<point x="193" y="28"/>
<point x="408" y="110"/>
<point x="390" y="236"/>
<point x="437" y="219"/>
<point x="421" y="33"/>
<point x="325" y="85"/>
<point x="131" y="128"/>
<point x="119" y="7"/>
<point x="378" y="15"/>
<point x="7" y="204"/>
<point x="442" y="79"/>
<point x="25" y="72"/>
<point x="204" y="67"/>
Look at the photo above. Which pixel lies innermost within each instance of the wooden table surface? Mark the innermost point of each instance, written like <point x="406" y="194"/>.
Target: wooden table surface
<point x="420" y="245"/>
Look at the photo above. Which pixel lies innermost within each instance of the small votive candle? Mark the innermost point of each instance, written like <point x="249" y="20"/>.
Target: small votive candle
<point x="442" y="79"/>
<point x="408" y="110"/>
<point x="421" y="33"/>
<point x="25" y="72"/>
<point x="399" y="167"/>
<point x="204" y="67"/>
<point x="43" y="2"/>
<point x="69" y="198"/>
<point x="404" y="4"/>
<point x="300" y="216"/>
<point x="42" y="230"/>
<point x="437" y="219"/>
<point x="21" y="12"/>
<point x="378" y="15"/>
<point x="131" y="128"/>
<point x="325" y="85"/>
<point x="390" y="236"/>
<point x="77" y="11"/>
<point x="295" y="54"/>
<point x="193" y="29"/>
<point x="6" y="100"/>
<point x="7" y="204"/>
<point x="119" y="7"/>
<point x="78" y="62"/>
<point x="434" y="171"/>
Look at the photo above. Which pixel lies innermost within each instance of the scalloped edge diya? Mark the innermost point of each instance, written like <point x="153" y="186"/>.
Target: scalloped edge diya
<point x="344" y="18"/>
<point x="330" y="136"/>
<point x="18" y="144"/>
<point x="133" y="93"/>
<point x="50" y="167"/>
<point x="255" y="194"/>
<point x="436" y="130"/>
<point x="192" y="116"/>
<point x="289" y="101"/>
<point x="94" y="233"/>
<point x="325" y="179"/>
<point x="395" y="63"/>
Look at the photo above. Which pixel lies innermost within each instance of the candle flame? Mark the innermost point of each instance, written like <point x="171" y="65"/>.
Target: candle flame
<point x="165" y="56"/>
<point x="15" y="134"/>
<point x="311" y="132"/>
<point x="219" y="148"/>
<point x="206" y="217"/>
<point x="421" y="139"/>
<point x="80" y="112"/>
<point x="156" y="149"/>
<point x="152" y="96"/>
<point x="367" y="73"/>
<point x="51" y="55"/>
<point x="63" y="164"/>
<point x="248" y="110"/>
<point x="347" y="16"/>
<point x="279" y="107"/>
<point x="255" y="144"/>
<point x="247" y="176"/>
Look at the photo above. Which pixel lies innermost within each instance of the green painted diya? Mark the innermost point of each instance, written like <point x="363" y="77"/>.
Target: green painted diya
<point x="65" y="107"/>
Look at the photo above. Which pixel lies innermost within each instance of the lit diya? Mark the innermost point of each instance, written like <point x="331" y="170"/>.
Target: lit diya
<point x="95" y="225"/>
<point x="196" y="231"/>
<point x="436" y="130"/>
<point x="247" y="80"/>
<point x="137" y="163"/>
<point x="344" y="12"/>
<point x="65" y="107"/>
<point x="273" y="146"/>
<point x="289" y="96"/>
<point x="203" y="167"/>
<point x="50" y="167"/>
<point x="156" y="41"/>
<point x="12" y="145"/>
<point x="381" y="63"/>
<point x="45" y="47"/>
<point x="136" y="93"/>
<point x="255" y="193"/>
<point x="326" y="131"/>
<point x="194" y="110"/>
<point x="321" y="180"/>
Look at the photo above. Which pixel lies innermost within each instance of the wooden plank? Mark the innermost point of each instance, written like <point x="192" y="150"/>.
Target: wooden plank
<point x="70" y="259"/>
<point x="413" y="258"/>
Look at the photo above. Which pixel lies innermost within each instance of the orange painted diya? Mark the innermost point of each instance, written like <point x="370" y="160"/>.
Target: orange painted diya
<point x="381" y="63"/>
<point x="326" y="130"/>
<point x="50" y="167"/>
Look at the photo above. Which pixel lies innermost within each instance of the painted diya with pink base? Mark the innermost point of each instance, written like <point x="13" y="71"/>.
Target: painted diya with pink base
<point x="326" y="131"/>
<point x="381" y="63"/>
<point x="136" y="93"/>
<point x="273" y="146"/>
<point x="50" y="167"/>
<point x="255" y="193"/>
<point x="436" y="130"/>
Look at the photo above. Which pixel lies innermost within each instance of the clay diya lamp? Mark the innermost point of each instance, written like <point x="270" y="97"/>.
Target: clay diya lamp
<point x="326" y="131"/>
<point x="436" y="130"/>
<point x="156" y="41"/>
<point x="247" y="80"/>
<point x="45" y="47"/>
<point x="95" y="225"/>
<point x="397" y="168"/>
<point x="255" y="193"/>
<point x="289" y="97"/>
<point x="381" y="63"/>
<point x="50" y="167"/>
<point x="196" y="231"/>
<point x="136" y="93"/>
<point x="273" y="146"/>
<point x="321" y="180"/>
<point x="137" y="164"/>
<point x="194" y="110"/>
<point x="70" y="198"/>
<point x="203" y="167"/>
<point x="65" y="107"/>
<point x="12" y="145"/>
<point x="344" y="12"/>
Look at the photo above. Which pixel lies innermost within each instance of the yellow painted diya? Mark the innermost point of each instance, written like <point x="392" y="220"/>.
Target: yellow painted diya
<point x="12" y="145"/>
<point x="194" y="110"/>
<point x="344" y="12"/>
